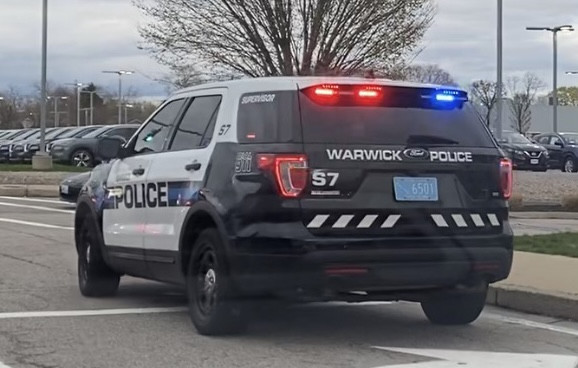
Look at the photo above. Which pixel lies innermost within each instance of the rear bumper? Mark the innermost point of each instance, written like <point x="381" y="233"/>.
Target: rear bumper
<point x="371" y="265"/>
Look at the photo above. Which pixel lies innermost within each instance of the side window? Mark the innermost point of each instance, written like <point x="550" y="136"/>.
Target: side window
<point x="555" y="139"/>
<point x="198" y="123"/>
<point x="544" y="140"/>
<point x="121" y="132"/>
<point x="152" y="137"/>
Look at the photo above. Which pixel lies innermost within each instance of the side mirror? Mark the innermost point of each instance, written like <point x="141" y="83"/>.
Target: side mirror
<point x="109" y="148"/>
<point x="558" y="143"/>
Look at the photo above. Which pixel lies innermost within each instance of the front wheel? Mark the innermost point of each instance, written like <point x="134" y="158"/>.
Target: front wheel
<point x="212" y="306"/>
<point x="456" y="307"/>
<point x="569" y="165"/>
<point x="95" y="278"/>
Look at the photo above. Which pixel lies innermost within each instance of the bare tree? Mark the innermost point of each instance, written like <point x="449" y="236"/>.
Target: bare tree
<point x="522" y="93"/>
<point x="484" y="95"/>
<point x="285" y="37"/>
<point x="9" y="106"/>
<point x="431" y="74"/>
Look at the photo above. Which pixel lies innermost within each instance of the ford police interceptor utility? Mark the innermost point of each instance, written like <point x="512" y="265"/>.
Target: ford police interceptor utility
<point x="313" y="189"/>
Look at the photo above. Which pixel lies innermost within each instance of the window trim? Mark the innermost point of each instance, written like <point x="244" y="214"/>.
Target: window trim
<point x="182" y="116"/>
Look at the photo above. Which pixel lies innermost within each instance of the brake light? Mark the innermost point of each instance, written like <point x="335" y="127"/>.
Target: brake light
<point x="290" y="172"/>
<point x="506" y="177"/>
<point x="370" y="92"/>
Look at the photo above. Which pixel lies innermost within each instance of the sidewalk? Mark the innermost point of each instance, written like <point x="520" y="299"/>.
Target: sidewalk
<point x="541" y="284"/>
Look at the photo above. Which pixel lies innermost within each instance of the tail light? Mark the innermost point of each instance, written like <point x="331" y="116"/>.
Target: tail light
<point x="290" y="172"/>
<point x="506" y="177"/>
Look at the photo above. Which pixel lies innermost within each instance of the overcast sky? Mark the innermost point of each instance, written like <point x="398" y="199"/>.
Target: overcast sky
<point x="86" y="39"/>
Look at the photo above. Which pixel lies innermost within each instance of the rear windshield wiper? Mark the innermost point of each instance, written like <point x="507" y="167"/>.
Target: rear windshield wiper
<point x="430" y="139"/>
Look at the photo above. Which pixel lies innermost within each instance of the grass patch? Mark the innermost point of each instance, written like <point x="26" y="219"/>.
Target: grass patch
<point x="28" y="167"/>
<point x="563" y="244"/>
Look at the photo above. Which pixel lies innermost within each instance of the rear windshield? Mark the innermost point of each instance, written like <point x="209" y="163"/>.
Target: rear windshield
<point x="391" y="125"/>
<point x="273" y="117"/>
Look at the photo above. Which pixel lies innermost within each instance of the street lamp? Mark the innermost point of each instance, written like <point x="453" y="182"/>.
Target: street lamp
<point x="554" y="31"/>
<point x="120" y="73"/>
<point x="567" y="73"/>
<point x="56" y="113"/>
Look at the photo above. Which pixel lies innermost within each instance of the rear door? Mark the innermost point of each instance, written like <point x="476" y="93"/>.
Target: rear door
<point x="397" y="161"/>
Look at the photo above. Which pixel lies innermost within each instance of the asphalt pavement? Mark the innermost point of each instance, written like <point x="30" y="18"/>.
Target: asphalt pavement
<point x="45" y="322"/>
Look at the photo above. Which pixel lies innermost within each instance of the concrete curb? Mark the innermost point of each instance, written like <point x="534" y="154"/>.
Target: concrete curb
<point x="532" y="301"/>
<point x="550" y="215"/>
<point x="44" y="191"/>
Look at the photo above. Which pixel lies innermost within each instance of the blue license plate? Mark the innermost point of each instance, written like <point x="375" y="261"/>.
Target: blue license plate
<point x="415" y="189"/>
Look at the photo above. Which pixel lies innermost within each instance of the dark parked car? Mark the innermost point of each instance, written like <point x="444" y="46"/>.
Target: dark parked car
<point x="70" y="187"/>
<point x="563" y="150"/>
<point x="24" y="150"/>
<point x="6" y="145"/>
<point x="525" y="154"/>
<point x="81" y="151"/>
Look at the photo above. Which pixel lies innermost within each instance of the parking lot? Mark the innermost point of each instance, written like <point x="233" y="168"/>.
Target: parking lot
<point x="44" y="322"/>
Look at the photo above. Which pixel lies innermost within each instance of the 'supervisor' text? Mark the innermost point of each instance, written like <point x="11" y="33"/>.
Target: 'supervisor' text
<point x="394" y="155"/>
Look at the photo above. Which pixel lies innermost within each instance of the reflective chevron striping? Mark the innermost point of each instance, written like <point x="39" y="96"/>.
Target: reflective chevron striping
<point x="459" y="220"/>
<point x="440" y="221"/>
<point x="318" y="221"/>
<point x="390" y="221"/>
<point x="367" y="221"/>
<point x="477" y="219"/>
<point x="343" y="221"/>
<point x="493" y="219"/>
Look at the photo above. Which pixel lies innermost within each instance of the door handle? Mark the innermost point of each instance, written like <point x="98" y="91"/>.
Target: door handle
<point x="138" y="172"/>
<point x="193" y="166"/>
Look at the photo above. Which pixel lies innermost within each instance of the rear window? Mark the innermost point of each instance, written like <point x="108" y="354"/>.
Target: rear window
<point x="391" y="123"/>
<point x="269" y="117"/>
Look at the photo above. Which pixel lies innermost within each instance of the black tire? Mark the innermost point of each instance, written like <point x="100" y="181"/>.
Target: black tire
<point x="95" y="278"/>
<point x="569" y="165"/>
<point x="82" y="158"/>
<point x="455" y="307"/>
<point x="213" y="308"/>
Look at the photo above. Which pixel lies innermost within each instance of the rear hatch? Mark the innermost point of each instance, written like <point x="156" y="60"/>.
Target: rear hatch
<point x="400" y="161"/>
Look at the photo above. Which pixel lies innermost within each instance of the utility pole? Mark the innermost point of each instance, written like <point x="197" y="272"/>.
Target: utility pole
<point x="500" y="76"/>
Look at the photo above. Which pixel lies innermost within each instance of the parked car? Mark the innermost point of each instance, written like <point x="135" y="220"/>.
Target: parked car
<point x="71" y="186"/>
<point x="6" y="145"/>
<point x="524" y="154"/>
<point x="81" y="151"/>
<point x="562" y="149"/>
<point x="24" y="150"/>
<point x="20" y="150"/>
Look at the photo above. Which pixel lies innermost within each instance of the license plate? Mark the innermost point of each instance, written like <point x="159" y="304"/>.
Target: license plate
<point x="64" y="189"/>
<point x="534" y="161"/>
<point x="415" y="189"/>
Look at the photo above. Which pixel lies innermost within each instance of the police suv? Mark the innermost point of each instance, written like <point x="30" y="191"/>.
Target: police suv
<point x="308" y="188"/>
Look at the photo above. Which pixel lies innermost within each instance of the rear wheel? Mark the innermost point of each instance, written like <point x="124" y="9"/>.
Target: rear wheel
<point x="455" y="307"/>
<point x="212" y="306"/>
<point x="82" y="158"/>
<point x="95" y="278"/>
<point x="570" y="165"/>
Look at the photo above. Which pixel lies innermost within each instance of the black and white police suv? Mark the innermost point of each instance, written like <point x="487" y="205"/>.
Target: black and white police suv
<point x="314" y="189"/>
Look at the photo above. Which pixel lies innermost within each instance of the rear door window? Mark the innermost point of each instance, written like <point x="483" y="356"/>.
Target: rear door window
<point x="196" y="127"/>
<point x="268" y="117"/>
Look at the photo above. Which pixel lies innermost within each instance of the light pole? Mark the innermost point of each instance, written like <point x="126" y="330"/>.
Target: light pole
<point x="56" y="113"/>
<point x="554" y="31"/>
<point x="91" y="93"/>
<point x="78" y="86"/>
<point x="500" y="76"/>
<point x="126" y="107"/>
<point x="120" y="73"/>
<point x="41" y="160"/>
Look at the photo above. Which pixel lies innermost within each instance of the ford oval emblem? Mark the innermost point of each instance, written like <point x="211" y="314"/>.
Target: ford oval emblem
<point x="416" y="153"/>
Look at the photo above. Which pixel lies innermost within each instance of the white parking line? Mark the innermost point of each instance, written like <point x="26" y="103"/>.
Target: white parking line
<point x="93" y="312"/>
<point x="532" y="324"/>
<point x="37" y="200"/>
<point x="2" y="365"/>
<point x="35" y="207"/>
<point x="36" y="224"/>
